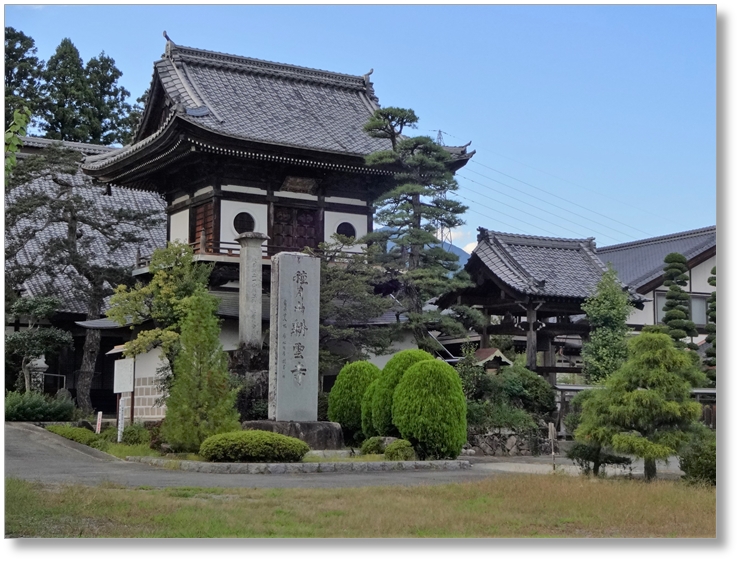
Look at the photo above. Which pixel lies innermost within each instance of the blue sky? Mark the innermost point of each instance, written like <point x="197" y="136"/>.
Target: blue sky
<point x="587" y="120"/>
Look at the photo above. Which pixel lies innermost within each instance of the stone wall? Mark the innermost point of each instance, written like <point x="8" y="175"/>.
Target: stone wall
<point x="507" y="443"/>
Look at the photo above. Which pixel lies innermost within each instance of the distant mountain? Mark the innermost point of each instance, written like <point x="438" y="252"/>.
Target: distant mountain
<point x="462" y="255"/>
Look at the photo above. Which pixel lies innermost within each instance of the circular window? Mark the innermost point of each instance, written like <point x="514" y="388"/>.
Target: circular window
<point x="244" y="222"/>
<point x="346" y="229"/>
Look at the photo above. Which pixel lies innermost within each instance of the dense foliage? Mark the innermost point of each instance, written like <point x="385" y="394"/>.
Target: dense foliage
<point x="698" y="457"/>
<point x="399" y="450"/>
<point x="382" y="399"/>
<point x="607" y="311"/>
<point x="345" y="398"/>
<point x="412" y="211"/>
<point x="677" y="310"/>
<point x="373" y="446"/>
<point x="253" y="446"/>
<point x="429" y="410"/>
<point x="34" y="406"/>
<point x="711" y="360"/>
<point x="135" y="434"/>
<point x="80" y="435"/>
<point x="366" y="409"/>
<point x="22" y="74"/>
<point x="201" y="402"/>
<point x="645" y="409"/>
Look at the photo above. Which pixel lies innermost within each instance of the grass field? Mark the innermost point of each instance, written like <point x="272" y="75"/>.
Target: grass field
<point x="511" y="506"/>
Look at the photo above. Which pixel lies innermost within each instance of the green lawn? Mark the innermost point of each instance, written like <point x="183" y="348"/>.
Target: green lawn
<point x="511" y="506"/>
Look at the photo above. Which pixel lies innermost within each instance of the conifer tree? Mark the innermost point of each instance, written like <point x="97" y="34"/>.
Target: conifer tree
<point x="646" y="407"/>
<point x="22" y="74"/>
<point x="711" y="360"/>
<point x="201" y="402"/>
<point x="677" y="312"/>
<point x="607" y="311"/>
<point x="413" y="211"/>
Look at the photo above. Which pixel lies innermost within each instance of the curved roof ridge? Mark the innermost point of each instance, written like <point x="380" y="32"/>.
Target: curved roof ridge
<point x="658" y="239"/>
<point x="535" y="237"/>
<point x="196" y="56"/>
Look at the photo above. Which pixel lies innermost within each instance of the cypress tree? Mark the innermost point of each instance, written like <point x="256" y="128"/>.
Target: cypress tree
<point x="22" y="74"/>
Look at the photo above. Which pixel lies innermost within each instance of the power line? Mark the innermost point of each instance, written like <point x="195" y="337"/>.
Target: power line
<point x="633" y="208"/>
<point x="535" y="207"/>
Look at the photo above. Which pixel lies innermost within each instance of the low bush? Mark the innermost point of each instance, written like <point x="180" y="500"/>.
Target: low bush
<point x="483" y="415"/>
<point x="698" y="458"/>
<point x="400" y="450"/>
<point x="80" y="435"/>
<point x="366" y="410"/>
<point x="390" y="376"/>
<point x="34" y="406"/>
<point x="345" y="398"/>
<point x="155" y="435"/>
<point x="591" y="458"/>
<point x="110" y="434"/>
<point x="135" y="434"/>
<point x="429" y="410"/>
<point x="526" y="389"/>
<point x="373" y="446"/>
<point x="253" y="445"/>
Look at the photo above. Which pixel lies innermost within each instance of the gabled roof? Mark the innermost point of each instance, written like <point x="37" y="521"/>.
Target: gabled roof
<point x="263" y="103"/>
<point x="540" y="266"/>
<point x="640" y="262"/>
<point x="82" y="147"/>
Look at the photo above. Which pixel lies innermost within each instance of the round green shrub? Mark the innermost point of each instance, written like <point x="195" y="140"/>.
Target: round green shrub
<point x="253" y="445"/>
<point x="345" y="398"/>
<point x="373" y="446"/>
<point x="366" y="407"/>
<point x="399" y="450"/>
<point x="34" y="406"/>
<point x="390" y="376"/>
<point x="429" y="410"/>
<point x="135" y="434"/>
<point x="698" y="458"/>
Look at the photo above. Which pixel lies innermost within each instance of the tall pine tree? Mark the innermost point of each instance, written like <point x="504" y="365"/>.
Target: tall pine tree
<point x="22" y="74"/>
<point x="413" y="212"/>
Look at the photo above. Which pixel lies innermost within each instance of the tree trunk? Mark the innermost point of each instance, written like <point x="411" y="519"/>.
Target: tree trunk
<point x="26" y="369"/>
<point x="415" y="257"/>
<point x="90" y="352"/>
<point x="651" y="470"/>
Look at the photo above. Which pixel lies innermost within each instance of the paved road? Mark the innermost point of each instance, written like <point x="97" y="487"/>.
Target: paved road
<point x="32" y="453"/>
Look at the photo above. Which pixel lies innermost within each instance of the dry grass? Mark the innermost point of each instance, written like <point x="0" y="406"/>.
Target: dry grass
<point x="515" y="506"/>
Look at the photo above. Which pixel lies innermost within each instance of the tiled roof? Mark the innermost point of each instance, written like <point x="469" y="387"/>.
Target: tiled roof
<point x="535" y="265"/>
<point x="70" y="288"/>
<point x="640" y="262"/>
<point x="270" y="102"/>
<point x="84" y="148"/>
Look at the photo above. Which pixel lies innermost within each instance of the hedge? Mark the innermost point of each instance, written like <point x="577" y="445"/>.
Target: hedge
<point x="80" y="435"/>
<point x="34" y="406"/>
<point x="253" y="445"/>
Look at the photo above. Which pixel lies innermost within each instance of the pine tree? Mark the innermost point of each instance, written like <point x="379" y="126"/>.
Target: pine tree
<point x="711" y="360"/>
<point x="62" y="230"/>
<point x="413" y="211"/>
<point x="22" y="74"/>
<point x="201" y="402"/>
<point x="677" y="312"/>
<point x="607" y="311"/>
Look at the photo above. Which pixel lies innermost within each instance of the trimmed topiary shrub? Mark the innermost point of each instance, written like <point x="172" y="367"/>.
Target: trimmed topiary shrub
<point x="135" y="434"/>
<point x="34" y="406"/>
<point x="345" y="398"/>
<point x="80" y="435"/>
<point x="399" y="450"/>
<point x="698" y="458"/>
<point x="429" y="410"/>
<point x="253" y="445"/>
<point x="373" y="446"/>
<point x="366" y="407"/>
<point x="382" y="402"/>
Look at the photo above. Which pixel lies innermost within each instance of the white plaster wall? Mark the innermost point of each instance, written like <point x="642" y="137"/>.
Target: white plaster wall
<point x="180" y="226"/>
<point x="333" y="219"/>
<point x="700" y="274"/>
<point x="229" y="210"/>
<point x="407" y="341"/>
<point x="347" y="200"/>
<point x="146" y="391"/>
<point x="646" y="316"/>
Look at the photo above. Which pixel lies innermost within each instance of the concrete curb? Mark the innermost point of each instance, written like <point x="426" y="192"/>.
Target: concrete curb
<point x="299" y="468"/>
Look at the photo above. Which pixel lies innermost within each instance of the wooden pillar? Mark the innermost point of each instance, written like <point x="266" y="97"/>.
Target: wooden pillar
<point x="550" y="361"/>
<point x="485" y="339"/>
<point x="531" y="337"/>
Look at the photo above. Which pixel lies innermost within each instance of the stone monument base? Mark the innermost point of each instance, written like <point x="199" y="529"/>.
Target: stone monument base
<point x="318" y="435"/>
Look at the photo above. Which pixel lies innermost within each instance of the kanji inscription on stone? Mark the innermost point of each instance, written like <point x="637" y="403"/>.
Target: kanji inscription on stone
<point x="294" y="337"/>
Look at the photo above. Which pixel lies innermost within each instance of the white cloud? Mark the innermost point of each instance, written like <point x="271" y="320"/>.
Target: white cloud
<point x="470" y="247"/>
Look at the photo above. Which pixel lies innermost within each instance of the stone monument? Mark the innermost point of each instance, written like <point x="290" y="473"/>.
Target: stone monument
<point x="250" y="288"/>
<point x="294" y="354"/>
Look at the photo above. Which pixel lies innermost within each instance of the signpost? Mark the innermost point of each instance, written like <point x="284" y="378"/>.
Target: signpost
<point x="551" y="428"/>
<point x="100" y="421"/>
<point x="120" y="421"/>
<point x="123" y="381"/>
